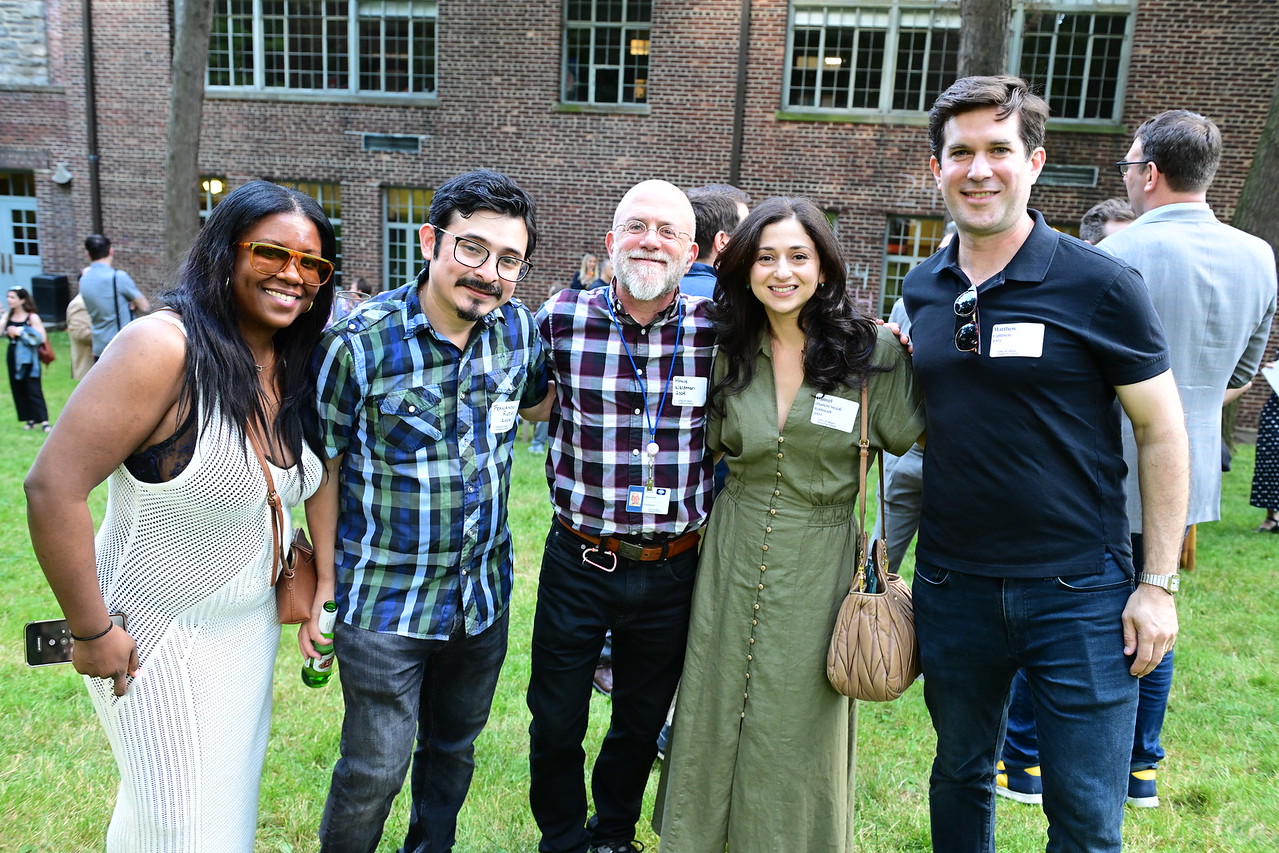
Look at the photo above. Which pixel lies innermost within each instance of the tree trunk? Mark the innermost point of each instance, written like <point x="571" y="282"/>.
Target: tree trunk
<point x="1255" y="211"/>
<point x="984" y="31"/>
<point x="192" y="23"/>
<point x="1255" y="214"/>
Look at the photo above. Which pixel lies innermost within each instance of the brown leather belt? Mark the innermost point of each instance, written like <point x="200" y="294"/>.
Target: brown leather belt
<point x="631" y="551"/>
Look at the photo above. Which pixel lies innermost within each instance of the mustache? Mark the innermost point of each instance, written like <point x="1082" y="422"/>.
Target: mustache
<point x="648" y="256"/>
<point x="487" y="288"/>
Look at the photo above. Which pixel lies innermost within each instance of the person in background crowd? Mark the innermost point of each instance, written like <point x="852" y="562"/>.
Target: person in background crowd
<point x="1265" y="474"/>
<point x="606" y="273"/>
<point x="630" y="482"/>
<point x="585" y="276"/>
<point x="755" y="703"/>
<point x="80" y="331"/>
<point x="110" y="295"/>
<point x="168" y="416"/>
<point x="897" y="520"/>
<point x="418" y="389"/>
<point x="717" y="215"/>
<point x="1027" y="344"/>
<point x="1105" y="218"/>
<point x="25" y="331"/>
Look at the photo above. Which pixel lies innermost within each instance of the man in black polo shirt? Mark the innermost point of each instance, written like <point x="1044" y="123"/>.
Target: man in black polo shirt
<point x="1027" y="342"/>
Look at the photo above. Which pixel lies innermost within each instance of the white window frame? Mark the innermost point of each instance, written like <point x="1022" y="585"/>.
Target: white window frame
<point x="422" y="15"/>
<point x="894" y="16"/>
<point x="404" y="212"/>
<point x="634" y="39"/>
<point x="887" y="16"/>
<point x="212" y="189"/>
<point x="922" y="235"/>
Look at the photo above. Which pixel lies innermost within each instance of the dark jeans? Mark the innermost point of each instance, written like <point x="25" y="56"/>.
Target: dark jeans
<point x="1021" y="747"/>
<point x="646" y="605"/>
<point x="1066" y="634"/>
<point x="395" y="688"/>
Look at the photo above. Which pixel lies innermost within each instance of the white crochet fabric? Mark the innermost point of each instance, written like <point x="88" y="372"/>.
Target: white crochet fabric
<point x="188" y="563"/>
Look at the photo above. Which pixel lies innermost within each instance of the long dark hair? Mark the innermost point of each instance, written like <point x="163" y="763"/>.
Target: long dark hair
<point x="219" y="365"/>
<point x="838" y="339"/>
<point x="28" y="304"/>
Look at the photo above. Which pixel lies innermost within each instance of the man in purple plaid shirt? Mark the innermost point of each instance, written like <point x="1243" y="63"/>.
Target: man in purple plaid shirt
<point x="631" y="484"/>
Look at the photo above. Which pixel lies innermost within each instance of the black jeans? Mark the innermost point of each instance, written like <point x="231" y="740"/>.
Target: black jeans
<point x="646" y="605"/>
<point x="28" y="396"/>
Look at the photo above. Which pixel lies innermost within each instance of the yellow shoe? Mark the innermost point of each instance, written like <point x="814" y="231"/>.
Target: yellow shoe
<point x="1141" y="789"/>
<point x="1022" y="784"/>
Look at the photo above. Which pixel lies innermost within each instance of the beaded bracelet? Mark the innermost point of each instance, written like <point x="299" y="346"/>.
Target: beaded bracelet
<point x="103" y="633"/>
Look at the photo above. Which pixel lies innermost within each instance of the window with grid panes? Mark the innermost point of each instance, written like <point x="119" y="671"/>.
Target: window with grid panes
<point x="353" y="46"/>
<point x="606" y="45"/>
<point x="891" y="57"/>
<point x="907" y="241"/>
<point x="404" y="214"/>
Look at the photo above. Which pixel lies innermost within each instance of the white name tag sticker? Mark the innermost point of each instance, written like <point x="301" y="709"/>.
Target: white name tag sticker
<point x="502" y="416"/>
<point x="835" y="412"/>
<point x="1018" y="340"/>
<point x="649" y="501"/>
<point x="688" y="391"/>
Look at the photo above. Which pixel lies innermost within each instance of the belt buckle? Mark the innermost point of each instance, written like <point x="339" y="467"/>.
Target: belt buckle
<point x="630" y="551"/>
<point x="586" y="559"/>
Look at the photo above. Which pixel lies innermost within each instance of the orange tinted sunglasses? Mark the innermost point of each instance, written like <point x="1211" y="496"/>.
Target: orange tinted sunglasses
<point x="270" y="259"/>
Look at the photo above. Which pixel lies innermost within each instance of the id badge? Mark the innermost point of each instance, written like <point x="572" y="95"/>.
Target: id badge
<point x="835" y="412"/>
<point x="688" y="391"/>
<point x="648" y="501"/>
<point x="502" y="416"/>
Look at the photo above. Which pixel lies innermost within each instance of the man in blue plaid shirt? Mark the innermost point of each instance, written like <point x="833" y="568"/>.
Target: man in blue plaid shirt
<point x="418" y="392"/>
<point x="631" y="484"/>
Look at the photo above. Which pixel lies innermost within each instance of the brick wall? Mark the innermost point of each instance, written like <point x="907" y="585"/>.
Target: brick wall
<point x="499" y="85"/>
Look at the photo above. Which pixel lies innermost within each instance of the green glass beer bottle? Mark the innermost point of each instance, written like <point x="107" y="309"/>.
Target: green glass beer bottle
<point x="316" y="672"/>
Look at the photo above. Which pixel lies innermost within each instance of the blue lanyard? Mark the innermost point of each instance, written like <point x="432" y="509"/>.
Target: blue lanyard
<point x="661" y="404"/>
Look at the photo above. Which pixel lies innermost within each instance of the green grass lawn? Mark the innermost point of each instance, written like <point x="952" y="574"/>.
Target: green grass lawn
<point x="1219" y="785"/>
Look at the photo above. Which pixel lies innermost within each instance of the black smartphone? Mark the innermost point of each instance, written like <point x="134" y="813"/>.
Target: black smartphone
<point x="49" y="640"/>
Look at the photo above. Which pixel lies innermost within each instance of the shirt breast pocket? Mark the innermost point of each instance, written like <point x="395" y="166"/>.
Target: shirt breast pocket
<point x="409" y="422"/>
<point x="498" y="396"/>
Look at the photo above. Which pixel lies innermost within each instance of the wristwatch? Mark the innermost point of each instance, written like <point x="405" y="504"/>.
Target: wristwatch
<point x="1169" y="583"/>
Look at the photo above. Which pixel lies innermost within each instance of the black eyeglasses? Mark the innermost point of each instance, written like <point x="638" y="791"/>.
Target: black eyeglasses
<point x="967" y="332"/>
<point x="1123" y="165"/>
<point x="472" y="254"/>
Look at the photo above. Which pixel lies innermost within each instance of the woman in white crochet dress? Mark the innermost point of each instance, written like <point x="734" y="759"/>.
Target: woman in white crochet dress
<point x="184" y="552"/>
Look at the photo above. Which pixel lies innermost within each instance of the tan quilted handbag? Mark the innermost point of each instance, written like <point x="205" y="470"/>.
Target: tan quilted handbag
<point x="873" y="654"/>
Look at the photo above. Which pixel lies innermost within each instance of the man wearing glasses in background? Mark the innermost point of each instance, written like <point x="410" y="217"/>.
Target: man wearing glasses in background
<point x="630" y="484"/>
<point x="1027" y="343"/>
<point x="418" y="391"/>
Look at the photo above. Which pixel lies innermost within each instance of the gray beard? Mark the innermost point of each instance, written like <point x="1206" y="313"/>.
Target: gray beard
<point x="641" y="287"/>
<point x="647" y="291"/>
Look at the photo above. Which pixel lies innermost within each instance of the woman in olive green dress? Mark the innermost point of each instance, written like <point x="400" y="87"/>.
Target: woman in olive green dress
<point x="762" y="749"/>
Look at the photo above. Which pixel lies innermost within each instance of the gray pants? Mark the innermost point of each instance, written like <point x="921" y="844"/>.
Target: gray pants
<point x="903" y="497"/>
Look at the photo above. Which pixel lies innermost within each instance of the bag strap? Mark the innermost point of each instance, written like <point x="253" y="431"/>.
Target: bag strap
<point x="863" y="454"/>
<point x="277" y="508"/>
